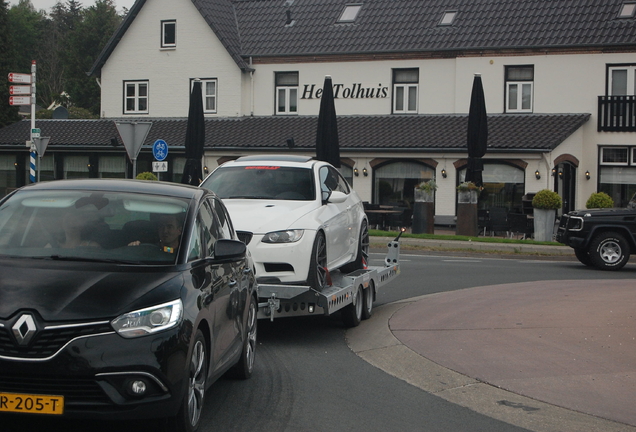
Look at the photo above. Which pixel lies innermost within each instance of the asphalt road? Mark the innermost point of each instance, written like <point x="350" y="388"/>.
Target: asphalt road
<point x="307" y="379"/>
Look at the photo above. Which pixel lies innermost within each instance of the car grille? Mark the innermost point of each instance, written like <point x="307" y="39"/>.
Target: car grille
<point x="47" y="342"/>
<point x="77" y="392"/>
<point x="244" y="236"/>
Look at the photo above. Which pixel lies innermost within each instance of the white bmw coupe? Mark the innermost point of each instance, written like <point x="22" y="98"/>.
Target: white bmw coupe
<point x="298" y="216"/>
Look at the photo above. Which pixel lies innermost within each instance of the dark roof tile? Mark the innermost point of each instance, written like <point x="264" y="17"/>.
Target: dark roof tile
<point x="447" y="132"/>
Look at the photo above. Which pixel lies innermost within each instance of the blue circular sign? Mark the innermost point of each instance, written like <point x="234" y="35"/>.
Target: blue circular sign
<point x="160" y="150"/>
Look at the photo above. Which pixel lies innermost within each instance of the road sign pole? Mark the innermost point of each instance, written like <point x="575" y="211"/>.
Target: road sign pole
<point x="33" y="68"/>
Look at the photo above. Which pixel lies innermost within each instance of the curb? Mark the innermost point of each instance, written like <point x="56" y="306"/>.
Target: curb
<point x="512" y="248"/>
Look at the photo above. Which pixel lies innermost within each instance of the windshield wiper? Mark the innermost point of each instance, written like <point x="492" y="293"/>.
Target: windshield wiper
<point x="250" y="197"/>
<point x="85" y="259"/>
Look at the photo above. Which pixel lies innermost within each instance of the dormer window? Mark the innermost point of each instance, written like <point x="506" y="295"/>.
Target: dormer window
<point x="448" y="18"/>
<point x="627" y="10"/>
<point x="168" y="34"/>
<point x="349" y="13"/>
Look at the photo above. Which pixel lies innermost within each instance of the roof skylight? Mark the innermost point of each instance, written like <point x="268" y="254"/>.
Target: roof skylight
<point x="349" y="13"/>
<point x="448" y="18"/>
<point x="627" y="10"/>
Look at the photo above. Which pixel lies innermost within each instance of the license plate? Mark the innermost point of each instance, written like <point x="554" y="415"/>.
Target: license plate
<point x="34" y="404"/>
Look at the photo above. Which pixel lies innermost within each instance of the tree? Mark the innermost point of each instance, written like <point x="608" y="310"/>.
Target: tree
<point x="8" y="114"/>
<point x="85" y="43"/>
<point x="52" y="50"/>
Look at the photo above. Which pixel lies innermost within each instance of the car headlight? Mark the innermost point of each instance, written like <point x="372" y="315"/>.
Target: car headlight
<point x="150" y="320"/>
<point x="287" y="236"/>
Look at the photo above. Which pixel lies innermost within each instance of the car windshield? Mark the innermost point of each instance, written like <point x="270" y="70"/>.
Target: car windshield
<point x="262" y="182"/>
<point x="90" y="226"/>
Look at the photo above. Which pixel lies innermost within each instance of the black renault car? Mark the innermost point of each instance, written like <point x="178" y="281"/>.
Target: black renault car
<point x="120" y="299"/>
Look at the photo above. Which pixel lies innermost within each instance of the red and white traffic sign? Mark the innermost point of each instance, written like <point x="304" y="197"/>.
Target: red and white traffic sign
<point x="19" y="100"/>
<point x="19" y="78"/>
<point x="19" y="90"/>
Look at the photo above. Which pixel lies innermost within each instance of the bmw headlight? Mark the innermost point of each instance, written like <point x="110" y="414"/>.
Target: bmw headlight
<point x="150" y="320"/>
<point x="287" y="236"/>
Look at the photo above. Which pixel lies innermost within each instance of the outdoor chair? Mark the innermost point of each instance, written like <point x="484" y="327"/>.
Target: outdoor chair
<point x="497" y="221"/>
<point x="483" y="217"/>
<point x="519" y="224"/>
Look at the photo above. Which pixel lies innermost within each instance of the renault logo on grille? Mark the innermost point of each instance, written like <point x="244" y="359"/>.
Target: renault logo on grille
<point x="24" y="329"/>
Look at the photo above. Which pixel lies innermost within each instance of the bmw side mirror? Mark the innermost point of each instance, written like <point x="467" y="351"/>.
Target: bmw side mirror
<point x="337" y="197"/>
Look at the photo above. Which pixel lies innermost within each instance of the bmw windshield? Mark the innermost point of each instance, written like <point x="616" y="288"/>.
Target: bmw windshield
<point x="262" y="182"/>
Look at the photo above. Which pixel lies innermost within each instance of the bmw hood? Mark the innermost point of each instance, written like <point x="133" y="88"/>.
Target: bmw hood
<point x="263" y="216"/>
<point x="80" y="291"/>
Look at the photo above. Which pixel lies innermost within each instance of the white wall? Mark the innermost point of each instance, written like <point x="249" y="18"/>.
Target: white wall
<point x="198" y="54"/>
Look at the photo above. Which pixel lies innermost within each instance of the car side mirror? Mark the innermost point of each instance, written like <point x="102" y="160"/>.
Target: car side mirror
<point x="225" y="249"/>
<point x="337" y="197"/>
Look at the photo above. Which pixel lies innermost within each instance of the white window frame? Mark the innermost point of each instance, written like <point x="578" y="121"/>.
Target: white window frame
<point x="405" y="88"/>
<point x="519" y="84"/>
<point x="208" y="97"/>
<point x="631" y="79"/>
<point x="602" y="161"/>
<point x="519" y="99"/>
<point x="287" y="93"/>
<point x="136" y="97"/>
<point x="165" y="44"/>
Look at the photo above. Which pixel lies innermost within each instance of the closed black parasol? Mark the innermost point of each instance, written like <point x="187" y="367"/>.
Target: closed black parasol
<point x="477" y="133"/>
<point x="327" y="145"/>
<point x="195" y="138"/>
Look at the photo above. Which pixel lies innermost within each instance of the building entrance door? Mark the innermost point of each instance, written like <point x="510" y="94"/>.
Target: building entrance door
<point x="565" y="185"/>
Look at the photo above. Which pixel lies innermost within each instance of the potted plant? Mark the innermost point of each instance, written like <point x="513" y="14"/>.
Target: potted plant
<point x="599" y="200"/>
<point x="146" y="176"/>
<point x="545" y="204"/>
<point x="467" y="193"/>
<point x="425" y="191"/>
<point x="424" y="208"/>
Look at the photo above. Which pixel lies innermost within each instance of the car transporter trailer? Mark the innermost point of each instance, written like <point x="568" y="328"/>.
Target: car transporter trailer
<point x="354" y="293"/>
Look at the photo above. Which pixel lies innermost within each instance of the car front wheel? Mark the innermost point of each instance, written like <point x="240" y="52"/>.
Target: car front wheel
<point x="189" y="415"/>
<point x="245" y="366"/>
<point x="317" y="277"/>
<point x="609" y="251"/>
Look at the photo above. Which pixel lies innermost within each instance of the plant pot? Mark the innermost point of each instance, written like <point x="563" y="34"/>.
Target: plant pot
<point x="423" y="218"/>
<point x="424" y="196"/>
<point x="544" y="224"/>
<point x="467" y="197"/>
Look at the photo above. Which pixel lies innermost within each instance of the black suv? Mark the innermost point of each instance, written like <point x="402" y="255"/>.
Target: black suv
<point x="603" y="238"/>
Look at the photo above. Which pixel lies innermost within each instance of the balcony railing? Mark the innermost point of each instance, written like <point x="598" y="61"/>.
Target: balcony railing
<point x="617" y="113"/>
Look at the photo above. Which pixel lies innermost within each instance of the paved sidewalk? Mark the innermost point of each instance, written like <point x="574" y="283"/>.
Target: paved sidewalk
<point x="548" y="356"/>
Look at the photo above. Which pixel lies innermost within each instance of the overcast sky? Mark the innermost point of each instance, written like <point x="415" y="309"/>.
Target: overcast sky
<point x="48" y="4"/>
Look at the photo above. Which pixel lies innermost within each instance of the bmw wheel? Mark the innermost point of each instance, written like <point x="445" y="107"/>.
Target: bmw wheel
<point x="362" y="257"/>
<point x="317" y="277"/>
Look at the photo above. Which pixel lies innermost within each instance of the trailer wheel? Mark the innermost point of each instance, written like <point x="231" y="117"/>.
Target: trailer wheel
<point x="352" y="314"/>
<point x="369" y="295"/>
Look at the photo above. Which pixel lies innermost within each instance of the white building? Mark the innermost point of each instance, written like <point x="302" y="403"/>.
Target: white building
<point x="558" y="77"/>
